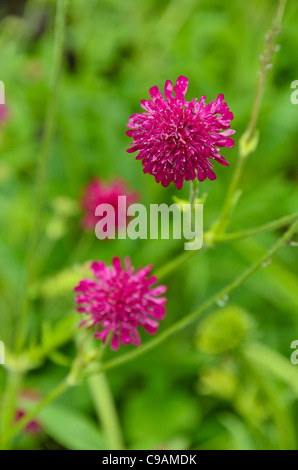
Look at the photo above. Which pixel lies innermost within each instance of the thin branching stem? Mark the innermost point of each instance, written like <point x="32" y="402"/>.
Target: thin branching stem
<point x="41" y="170"/>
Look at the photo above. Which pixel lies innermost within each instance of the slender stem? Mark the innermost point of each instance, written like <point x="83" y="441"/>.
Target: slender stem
<point x="78" y="364"/>
<point x="103" y="401"/>
<point x="266" y="65"/>
<point x="189" y="319"/>
<point x="184" y="322"/>
<point x="175" y="263"/>
<point x="41" y="169"/>
<point x="40" y="177"/>
<point x="194" y="191"/>
<point x="106" y="410"/>
<point x="183" y="257"/>
<point x="231" y="199"/>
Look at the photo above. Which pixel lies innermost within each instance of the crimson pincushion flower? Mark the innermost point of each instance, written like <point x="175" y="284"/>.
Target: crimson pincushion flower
<point x="97" y="192"/>
<point x="178" y="140"/>
<point x="119" y="300"/>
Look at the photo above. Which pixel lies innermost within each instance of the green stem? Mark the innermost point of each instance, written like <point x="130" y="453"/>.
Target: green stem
<point x="48" y="131"/>
<point x="78" y="364"/>
<point x="189" y="319"/>
<point x="247" y="137"/>
<point x="273" y="225"/>
<point x="71" y="380"/>
<point x="106" y="410"/>
<point x="265" y="66"/>
<point x="185" y="256"/>
<point x="41" y="169"/>
<point x="281" y="416"/>
<point x="184" y="322"/>
<point x="194" y="191"/>
<point x="58" y="391"/>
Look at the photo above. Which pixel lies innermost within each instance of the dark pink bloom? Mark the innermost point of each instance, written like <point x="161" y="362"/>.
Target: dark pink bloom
<point x="97" y="192"/>
<point x="33" y="427"/>
<point x="119" y="300"/>
<point x="176" y="139"/>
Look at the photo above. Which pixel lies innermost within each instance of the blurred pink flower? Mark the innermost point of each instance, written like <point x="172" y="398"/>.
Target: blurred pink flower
<point x="176" y="139"/>
<point x="119" y="300"/>
<point x="33" y="427"/>
<point x="97" y="192"/>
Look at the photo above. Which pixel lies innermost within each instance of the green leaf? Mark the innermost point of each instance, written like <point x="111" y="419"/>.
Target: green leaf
<point x="71" y="429"/>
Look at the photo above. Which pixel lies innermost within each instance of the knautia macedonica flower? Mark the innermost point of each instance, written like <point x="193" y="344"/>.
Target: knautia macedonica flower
<point x="118" y="301"/>
<point x="97" y="192"/>
<point x="178" y="140"/>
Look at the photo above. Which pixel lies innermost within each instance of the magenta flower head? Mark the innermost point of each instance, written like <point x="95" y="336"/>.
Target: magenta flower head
<point x="178" y="140"/>
<point x="118" y="300"/>
<point x="97" y="192"/>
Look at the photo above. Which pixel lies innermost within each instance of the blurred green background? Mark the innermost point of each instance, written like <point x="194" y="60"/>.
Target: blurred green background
<point x="187" y="393"/>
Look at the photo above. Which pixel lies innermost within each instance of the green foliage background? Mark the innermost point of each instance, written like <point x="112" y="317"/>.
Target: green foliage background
<point x="187" y="393"/>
